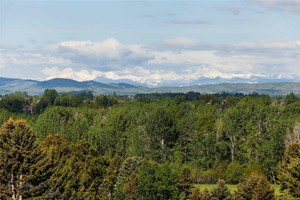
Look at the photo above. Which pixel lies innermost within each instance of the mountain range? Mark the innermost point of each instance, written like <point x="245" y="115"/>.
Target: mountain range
<point x="207" y="85"/>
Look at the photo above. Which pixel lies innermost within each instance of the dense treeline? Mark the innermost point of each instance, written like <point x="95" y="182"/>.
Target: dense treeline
<point x="156" y="148"/>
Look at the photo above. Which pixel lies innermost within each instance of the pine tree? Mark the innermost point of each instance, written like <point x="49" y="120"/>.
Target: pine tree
<point x="185" y="180"/>
<point x="130" y="165"/>
<point x="289" y="175"/>
<point x="23" y="165"/>
<point x="77" y="171"/>
<point x="205" y="195"/>
<point x="195" y="194"/>
<point x="107" y="185"/>
<point x="221" y="191"/>
<point x="263" y="190"/>
<point x="131" y="184"/>
<point x="255" y="187"/>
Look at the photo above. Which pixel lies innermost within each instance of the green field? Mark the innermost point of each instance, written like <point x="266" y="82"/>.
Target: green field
<point x="233" y="187"/>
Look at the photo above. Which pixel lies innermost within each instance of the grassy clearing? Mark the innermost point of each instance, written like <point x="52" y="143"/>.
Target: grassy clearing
<point x="233" y="187"/>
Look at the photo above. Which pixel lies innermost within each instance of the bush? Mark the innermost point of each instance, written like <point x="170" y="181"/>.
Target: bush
<point x="234" y="172"/>
<point x="210" y="176"/>
<point x="253" y="167"/>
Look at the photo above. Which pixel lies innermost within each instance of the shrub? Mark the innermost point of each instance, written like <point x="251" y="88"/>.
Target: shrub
<point x="234" y="172"/>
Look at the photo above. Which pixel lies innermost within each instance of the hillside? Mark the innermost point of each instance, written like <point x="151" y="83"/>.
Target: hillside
<point x="34" y="87"/>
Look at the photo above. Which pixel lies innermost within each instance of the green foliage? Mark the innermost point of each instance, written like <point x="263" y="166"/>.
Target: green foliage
<point x="195" y="194"/>
<point x="160" y="128"/>
<point x="290" y="171"/>
<point x="4" y="116"/>
<point x="72" y="123"/>
<point x="234" y="172"/>
<point x="13" y="104"/>
<point x="220" y="192"/>
<point x="205" y="195"/>
<point x="185" y="180"/>
<point x="205" y="135"/>
<point x="48" y="99"/>
<point x="107" y="186"/>
<point x="77" y="171"/>
<point x="254" y="187"/>
<point x="129" y="166"/>
<point x="23" y="165"/>
<point x="291" y="98"/>
<point x="157" y="182"/>
<point x="130" y="187"/>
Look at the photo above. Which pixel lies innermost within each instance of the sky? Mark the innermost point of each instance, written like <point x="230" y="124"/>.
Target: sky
<point x="151" y="42"/>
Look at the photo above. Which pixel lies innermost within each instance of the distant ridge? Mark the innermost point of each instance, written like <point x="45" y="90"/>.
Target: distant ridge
<point x="62" y="82"/>
<point x="33" y="87"/>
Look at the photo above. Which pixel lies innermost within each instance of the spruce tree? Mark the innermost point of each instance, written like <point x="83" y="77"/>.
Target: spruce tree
<point x="255" y="187"/>
<point x="129" y="165"/>
<point x="289" y="175"/>
<point x="23" y="165"/>
<point x="77" y="171"/>
<point x="185" y="181"/>
<point x="205" y="195"/>
<point x="221" y="191"/>
<point x="131" y="185"/>
<point x="195" y="194"/>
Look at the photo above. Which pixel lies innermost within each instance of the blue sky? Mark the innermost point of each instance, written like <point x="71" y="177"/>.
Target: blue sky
<point x="150" y="42"/>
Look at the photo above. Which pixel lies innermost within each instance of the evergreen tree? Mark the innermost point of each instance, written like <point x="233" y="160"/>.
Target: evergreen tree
<point x="160" y="128"/>
<point x="254" y="187"/>
<point x="205" y="195"/>
<point x="23" y="166"/>
<point x="77" y="171"/>
<point x="157" y="182"/>
<point x="185" y="181"/>
<point x="107" y="186"/>
<point x="289" y="175"/>
<point x="195" y="194"/>
<point x="130" y="187"/>
<point x="221" y="191"/>
<point x="130" y="165"/>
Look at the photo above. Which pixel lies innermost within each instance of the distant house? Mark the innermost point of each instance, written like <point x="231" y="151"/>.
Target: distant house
<point x="120" y="101"/>
<point x="27" y="109"/>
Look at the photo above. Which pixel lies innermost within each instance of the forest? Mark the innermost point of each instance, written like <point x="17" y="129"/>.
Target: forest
<point x="146" y="147"/>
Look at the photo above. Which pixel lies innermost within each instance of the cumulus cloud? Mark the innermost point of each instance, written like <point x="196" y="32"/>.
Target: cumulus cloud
<point x="175" y="60"/>
<point x="101" y="54"/>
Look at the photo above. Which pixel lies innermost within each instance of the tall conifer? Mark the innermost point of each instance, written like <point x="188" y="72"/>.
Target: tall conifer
<point x="23" y="167"/>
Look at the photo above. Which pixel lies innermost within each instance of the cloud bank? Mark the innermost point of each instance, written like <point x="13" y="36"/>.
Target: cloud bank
<point x="180" y="60"/>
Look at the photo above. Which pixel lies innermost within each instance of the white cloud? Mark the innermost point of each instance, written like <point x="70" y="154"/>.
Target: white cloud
<point x="81" y="75"/>
<point x="180" y="59"/>
<point x="31" y="58"/>
<point x="270" y="45"/>
<point x="181" y="42"/>
<point x="108" y="52"/>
